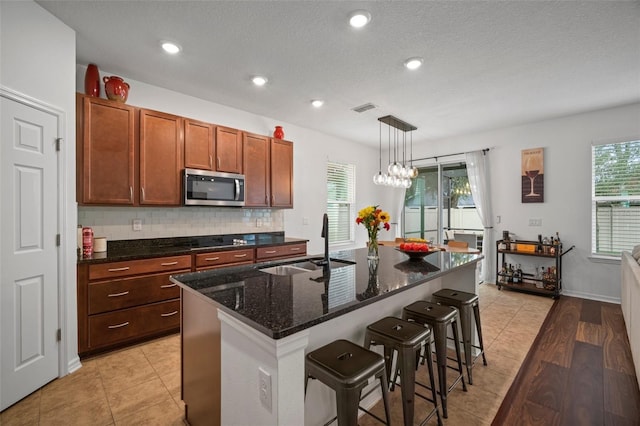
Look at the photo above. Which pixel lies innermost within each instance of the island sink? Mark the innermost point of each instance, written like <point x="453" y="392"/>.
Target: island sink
<point x="304" y="266"/>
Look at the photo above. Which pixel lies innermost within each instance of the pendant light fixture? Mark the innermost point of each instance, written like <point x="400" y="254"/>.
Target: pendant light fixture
<point x="399" y="172"/>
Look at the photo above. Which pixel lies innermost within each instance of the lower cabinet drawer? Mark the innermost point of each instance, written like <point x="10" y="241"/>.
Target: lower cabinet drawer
<point x="119" y="326"/>
<point x="105" y="296"/>
<point x="288" y="250"/>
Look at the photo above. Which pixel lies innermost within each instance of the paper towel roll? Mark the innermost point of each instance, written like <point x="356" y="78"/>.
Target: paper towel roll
<point x="100" y="244"/>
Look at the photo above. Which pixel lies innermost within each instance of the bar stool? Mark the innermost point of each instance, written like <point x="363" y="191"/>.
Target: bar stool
<point x="468" y="306"/>
<point x="346" y="368"/>
<point x="406" y="339"/>
<point x="439" y="317"/>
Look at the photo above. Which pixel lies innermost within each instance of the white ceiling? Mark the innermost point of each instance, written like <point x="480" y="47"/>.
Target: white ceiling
<point x="487" y="64"/>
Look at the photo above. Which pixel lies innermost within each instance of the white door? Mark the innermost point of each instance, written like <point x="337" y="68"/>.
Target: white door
<point x="29" y="253"/>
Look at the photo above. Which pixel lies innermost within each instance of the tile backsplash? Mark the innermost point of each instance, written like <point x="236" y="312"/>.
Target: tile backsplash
<point x="116" y="223"/>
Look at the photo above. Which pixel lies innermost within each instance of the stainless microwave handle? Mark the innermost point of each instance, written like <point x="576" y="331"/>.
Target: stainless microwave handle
<point x="237" y="189"/>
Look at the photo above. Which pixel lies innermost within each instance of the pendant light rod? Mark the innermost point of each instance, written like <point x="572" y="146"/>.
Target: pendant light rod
<point x="392" y="121"/>
<point x="435" y="157"/>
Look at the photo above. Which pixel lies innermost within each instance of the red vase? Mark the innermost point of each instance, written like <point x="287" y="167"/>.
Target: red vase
<point x="278" y="133"/>
<point x="92" y="81"/>
<point x="115" y="88"/>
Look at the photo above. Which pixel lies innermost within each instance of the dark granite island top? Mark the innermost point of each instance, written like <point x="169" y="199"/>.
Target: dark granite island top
<point x="279" y="306"/>
<point x="245" y="332"/>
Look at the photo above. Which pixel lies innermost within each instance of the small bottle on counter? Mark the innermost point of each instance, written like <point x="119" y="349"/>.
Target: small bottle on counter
<point x="87" y="241"/>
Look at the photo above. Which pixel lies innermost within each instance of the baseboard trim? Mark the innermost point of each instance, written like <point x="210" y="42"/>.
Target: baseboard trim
<point x="591" y="296"/>
<point x="74" y="365"/>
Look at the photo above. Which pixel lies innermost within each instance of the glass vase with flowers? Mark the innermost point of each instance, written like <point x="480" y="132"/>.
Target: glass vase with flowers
<point x="374" y="219"/>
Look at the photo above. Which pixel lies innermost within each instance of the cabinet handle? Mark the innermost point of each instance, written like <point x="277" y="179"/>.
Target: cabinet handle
<point x="169" y="263"/>
<point x="124" y="268"/>
<point x="168" y="314"/>
<point x="294" y="248"/>
<point x="211" y="259"/>
<point x="240" y="255"/>
<point x="210" y="161"/>
<point x="142" y="190"/>
<point x="266" y="200"/>
<point x="218" y="164"/>
<point x="270" y="251"/>
<point x="124" y="293"/>
<point x="131" y="193"/>
<point x="168" y="285"/>
<point x="124" y="324"/>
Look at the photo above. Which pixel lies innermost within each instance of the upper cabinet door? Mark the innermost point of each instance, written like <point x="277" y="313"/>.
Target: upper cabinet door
<point x="228" y="150"/>
<point x="256" y="170"/>
<point x="105" y="151"/>
<point x="281" y="173"/>
<point x="198" y="145"/>
<point x="161" y="161"/>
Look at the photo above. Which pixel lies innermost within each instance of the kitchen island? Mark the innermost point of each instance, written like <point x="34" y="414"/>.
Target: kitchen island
<point x="245" y="331"/>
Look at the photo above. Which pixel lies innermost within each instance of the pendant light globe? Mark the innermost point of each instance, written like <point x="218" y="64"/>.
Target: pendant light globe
<point x="394" y="169"/>
<point x="379" y="178"/>
<point x="413" y="173"/>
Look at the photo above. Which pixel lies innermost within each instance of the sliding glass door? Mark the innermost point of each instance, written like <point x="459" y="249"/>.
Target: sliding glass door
<point x="439" y="206"/>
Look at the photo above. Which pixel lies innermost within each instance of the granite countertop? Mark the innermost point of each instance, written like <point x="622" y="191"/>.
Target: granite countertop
<point x="119" y="250"/>
<point x="279" y="306"/>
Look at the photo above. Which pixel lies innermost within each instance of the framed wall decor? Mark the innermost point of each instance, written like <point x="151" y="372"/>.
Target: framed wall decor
<point x="532" y="176"/>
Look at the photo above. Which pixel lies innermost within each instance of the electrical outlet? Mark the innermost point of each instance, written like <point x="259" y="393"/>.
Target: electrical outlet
<point x="137" y="224"/>
<point x="305" y="220"/>
<point x="535" y="222"/>
<point x="258" y="223"/>
<point x="498" y="219"/>
<point x="264" y="388"/>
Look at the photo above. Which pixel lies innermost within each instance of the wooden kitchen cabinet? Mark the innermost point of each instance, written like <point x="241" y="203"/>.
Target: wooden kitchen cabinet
<point x="228" y="150"/>
<point x="161" y="158"/>
<point x="198" y="145"/>
<point x="105" y="154"/>
<point x="121" y="303"/>
<point x="256" y="165"/>
<point x="281" y="173"/>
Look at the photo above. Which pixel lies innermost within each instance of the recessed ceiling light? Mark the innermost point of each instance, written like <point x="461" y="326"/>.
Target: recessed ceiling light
<point x="413" y="63"/>
<point x="359" y="18"/>
<point x="317" y="103"/>
<point x="170" y="47"/>
<point x="258" y="80"/>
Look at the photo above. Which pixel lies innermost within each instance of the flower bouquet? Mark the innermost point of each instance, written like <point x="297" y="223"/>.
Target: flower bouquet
<point x="373" y="219"/>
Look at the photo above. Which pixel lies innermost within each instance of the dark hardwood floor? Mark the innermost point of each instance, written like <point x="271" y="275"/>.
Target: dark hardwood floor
<point x="579" y="371"/>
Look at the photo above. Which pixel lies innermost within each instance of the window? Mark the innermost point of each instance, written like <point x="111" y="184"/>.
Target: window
<point x="615" y="202"/>
<point x="341" y="180"/>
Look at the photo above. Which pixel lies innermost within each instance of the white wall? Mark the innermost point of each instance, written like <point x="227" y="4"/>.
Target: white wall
<point x="567" y="193"/>
<point x="37" y="59"/>
<point x="311" y="150"/>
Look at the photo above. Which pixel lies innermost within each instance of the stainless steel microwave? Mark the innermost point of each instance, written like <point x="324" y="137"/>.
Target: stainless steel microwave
<point x="207" y="188"/>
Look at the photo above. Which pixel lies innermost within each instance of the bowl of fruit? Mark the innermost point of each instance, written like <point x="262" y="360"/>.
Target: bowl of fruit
<point x="415" y="251"/>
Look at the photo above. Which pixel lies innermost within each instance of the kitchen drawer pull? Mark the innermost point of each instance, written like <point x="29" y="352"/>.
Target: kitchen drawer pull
<point x="211" y="259"/>
<point x="124" y="293"/>
<point x="240" y="255"/>
<point x="124" y="324"/>
<point x="124" y="268"/>
<point x="270" y="251"/>
<point x="168" y="285"/>
<point x="169" y="263"/>
<point x="169" y="314"/>
<point x="294" y="248"/>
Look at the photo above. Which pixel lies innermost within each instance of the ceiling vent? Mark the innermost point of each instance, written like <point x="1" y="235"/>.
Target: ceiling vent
<point x="363" y="108"/>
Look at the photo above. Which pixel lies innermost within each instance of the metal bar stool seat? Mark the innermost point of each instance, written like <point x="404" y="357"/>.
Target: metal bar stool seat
<point x="346" y="368"/>
<point x="406" y="339"/>
<point x="468" y="306"/>
<point x="439" y="317"/>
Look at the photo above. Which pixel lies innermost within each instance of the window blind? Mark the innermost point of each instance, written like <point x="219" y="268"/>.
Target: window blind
<point x="340" y="199"/>
<point x="615" y="197"/>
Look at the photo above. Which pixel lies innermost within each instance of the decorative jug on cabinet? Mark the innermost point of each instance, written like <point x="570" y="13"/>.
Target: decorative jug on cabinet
<point x="115" y="88"/>
<point x="278" y="133"/>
